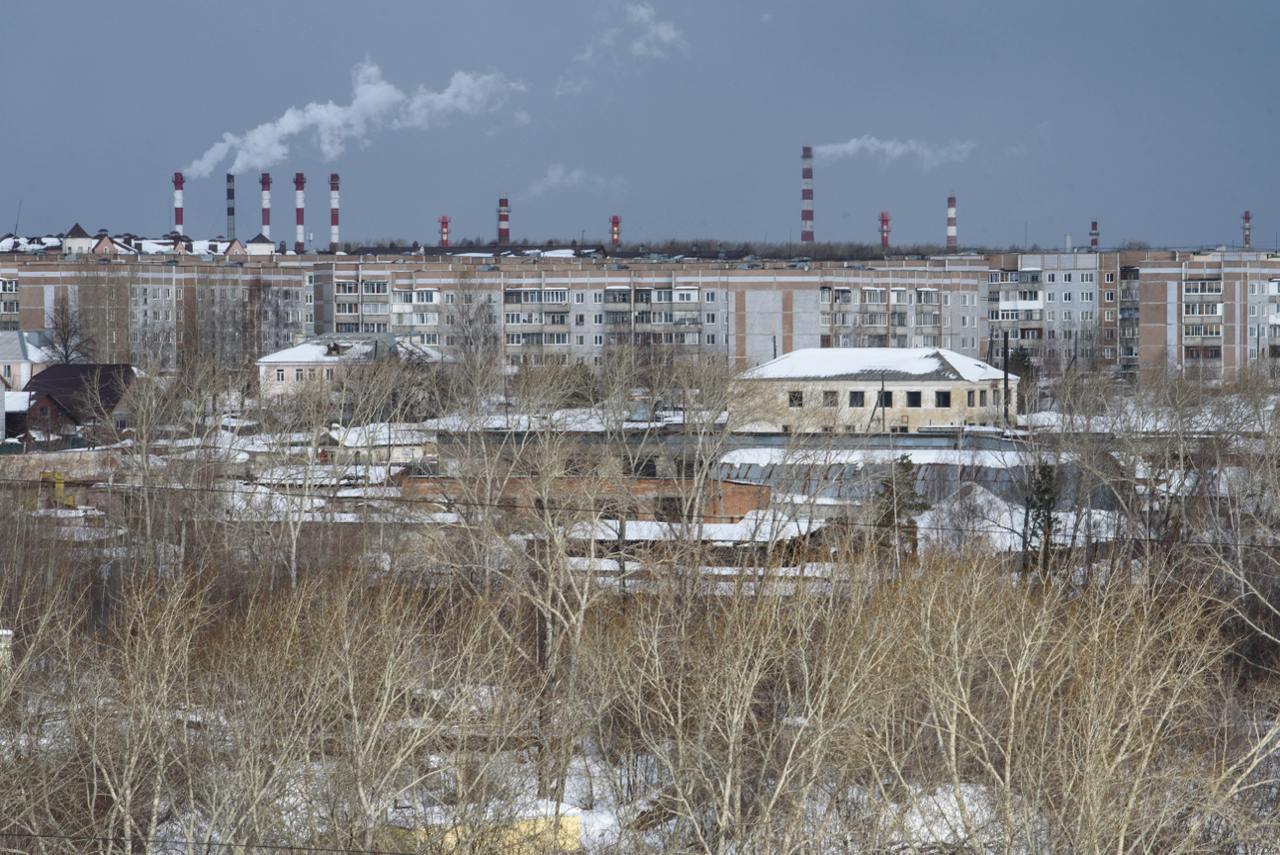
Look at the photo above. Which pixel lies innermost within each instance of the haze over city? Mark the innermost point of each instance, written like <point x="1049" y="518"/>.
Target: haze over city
<point x="685" y="119"/>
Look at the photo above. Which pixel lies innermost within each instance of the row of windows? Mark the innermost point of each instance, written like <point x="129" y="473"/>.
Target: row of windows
<point x="884" y="398"/>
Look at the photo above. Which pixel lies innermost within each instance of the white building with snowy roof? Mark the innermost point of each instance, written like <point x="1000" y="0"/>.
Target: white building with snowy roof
<point x="873" y="390"/>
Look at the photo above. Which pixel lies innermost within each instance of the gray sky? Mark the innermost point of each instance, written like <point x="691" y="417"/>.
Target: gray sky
<point x="685" y="118"/>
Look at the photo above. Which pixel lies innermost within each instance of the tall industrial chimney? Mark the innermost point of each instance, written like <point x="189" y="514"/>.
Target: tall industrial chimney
<point x="177" y="202"/>
<point x="231" y="206"/>
<point x="1246" y="229"/>
<point x="444" y="231"/>
<point x="615" y="231"/>
<point x="1093" y="235"/>
<point x="504" y="221"/>
<point x="299" y="204"/>
<point x="333" y="212"/>
<point x="265" y="181"/>
<point x="884" y="229"/>
<point x="953" y="239"/>
<point x="806" y="194"/>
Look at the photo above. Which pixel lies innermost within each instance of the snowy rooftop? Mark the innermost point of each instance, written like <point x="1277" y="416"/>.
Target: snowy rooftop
<point x="873" y="364"/>
<point x="326" y="350"/>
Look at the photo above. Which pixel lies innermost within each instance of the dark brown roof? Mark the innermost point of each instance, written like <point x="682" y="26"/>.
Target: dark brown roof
<point x="77" y="231"/>
<point x="261" y="238"/>
<point x="83" y="389"/>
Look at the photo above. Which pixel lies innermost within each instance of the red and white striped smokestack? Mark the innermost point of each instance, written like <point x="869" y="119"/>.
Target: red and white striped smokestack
<point x="1093" y="235"/>
<point x="333" y="212"/>
<point x="265" y="181"/>
<point x="806" y="194"/>
<point x="504" y="221"/>
<point x="953" y="238"/>
<point x="299" y="204"/>
<point x="177" y="202"/>
<point x="444" y="231"/>
<point x="884" y="229"/>
<point x="1246" y="229"/>
<point x="615" y="230"/>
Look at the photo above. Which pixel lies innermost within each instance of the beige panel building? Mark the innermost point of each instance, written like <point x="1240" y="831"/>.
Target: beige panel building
<point x="875" y="390"/>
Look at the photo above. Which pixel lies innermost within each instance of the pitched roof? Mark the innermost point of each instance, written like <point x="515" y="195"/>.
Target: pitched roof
<point x="261" y="238"/>
<point x="81" y="388"/>
<point x="77" y="231"/>
<point x="873" y="364"/>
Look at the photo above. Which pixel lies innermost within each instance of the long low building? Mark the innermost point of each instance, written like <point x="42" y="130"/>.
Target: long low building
<point x="875" y="390"/>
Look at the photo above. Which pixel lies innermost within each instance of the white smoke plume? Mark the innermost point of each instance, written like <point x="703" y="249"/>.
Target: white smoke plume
<point x="560" y="177"/>
<point x="375" y="104"/>
<point x="930" y="155"/>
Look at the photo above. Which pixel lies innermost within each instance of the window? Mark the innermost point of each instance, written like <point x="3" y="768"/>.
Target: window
<point x="297" y="374"/>
<point x="449" y="298"/>
<point x="969" y="396"/>
<point x="1111" y="277"/>
<point x="685" y="296"/>
<point x="597" y="297"/>
<point x="711" y="296"/>
<point x="830" y="398"/>
<point x="1066" y="296"/>
<point x="1109" y="296"/>
<point x="279" y="375"/>
<point x="711" y="317"/>
<point x="857" y="399"/>
<point x="942" y="400"/>
<point x="375" y="287"/>
<point x="578" y="297"/>
<point x="711" y="338"/>
<point x="424" y="296"/>
<point x="982" y="398"/>
<point x="886" y="399"/>
<point x="795" y="399"/>
<point x="344" y="288"/>
<point x="598" y="340"/>
<point x="598" y="319"/>
<point x="913" y="399"/>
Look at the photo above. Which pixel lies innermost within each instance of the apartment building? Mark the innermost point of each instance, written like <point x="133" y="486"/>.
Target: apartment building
<point x="1209" y="314"/>
<point x="160" y="312"/>
<point x="1129" y="311"/>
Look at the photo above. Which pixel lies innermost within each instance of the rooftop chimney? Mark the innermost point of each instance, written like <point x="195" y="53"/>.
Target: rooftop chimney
<point x="504" y="221"/>
<point x="177" y="202"/>
<point x="1246" y="229"/>
<point x="884" y="229"/>
<point x="333" y="212"/>
<point x="231" y="206"/>
<point x="1093" y="235"/>
<point x="444" y="231"/>
<point x="806" y="194"/>
<point x="299" y="204"/>
<point x="265" y="181"/>
<point x="615" y="231"/>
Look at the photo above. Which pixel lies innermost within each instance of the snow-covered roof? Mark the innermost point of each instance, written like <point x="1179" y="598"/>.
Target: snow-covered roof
<point x="17" y="402"/>
<point x="877" y="456"/>
<point x="382" y="434"/>
<point x="974" y="512"/>
<point x="873" y="364"/>
<point x="328" y="351"/>
<point x="755" y="527"/>
<point x="31" y="244"/>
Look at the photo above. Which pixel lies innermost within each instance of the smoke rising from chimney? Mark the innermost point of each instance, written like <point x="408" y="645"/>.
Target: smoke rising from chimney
<point x="375" y="104"/>
<point x="930" y="155"/>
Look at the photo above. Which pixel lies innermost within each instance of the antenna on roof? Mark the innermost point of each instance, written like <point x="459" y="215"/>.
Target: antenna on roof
<point x="17" y="218"/>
